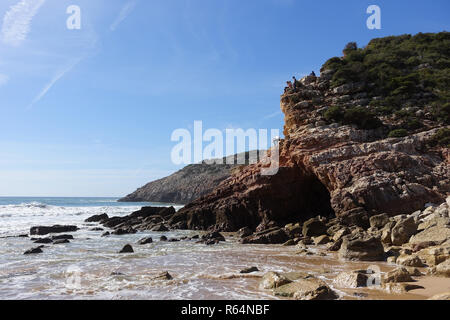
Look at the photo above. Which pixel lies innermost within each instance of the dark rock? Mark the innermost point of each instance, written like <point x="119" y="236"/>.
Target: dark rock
<point x="127" y="249"/>
<point x="355" y="217"/>
<point x="244" y="232"/>
<point x="213" y="235"/>
<point x="379" y="221"/>
<point x="163" y="238"/>
<point x="146" y="212"/>
<point x="313" y="228"/>
<point x="62" y="241"/>
<point x="195" y="237"/>
<point x="277" y="236"/>
<point x="335" y="246"/>
<point x="181" y="225"/>
<point x="145" y="240"/>
<point x="62" y="237"/>
<point x="33" y="251"/>
<point x="293" y="229"/>
<point x="43" y="240"/>
<point x="250" y="270"/>
<point x="209" y="242"/>
<point x="97" y="218"/>
<point x="403" y="230"/>
<point x="163" y="276"/>
<point x="122" y="231"/>
<point x="43" y="230"/>
<point x="106" y="234"/>
<point x="113" y="221"/>
<point x="167" y="212"/>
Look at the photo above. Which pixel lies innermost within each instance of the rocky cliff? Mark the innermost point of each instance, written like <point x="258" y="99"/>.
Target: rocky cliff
<point x="189" y="183"/>
<point x="347" y="150"/>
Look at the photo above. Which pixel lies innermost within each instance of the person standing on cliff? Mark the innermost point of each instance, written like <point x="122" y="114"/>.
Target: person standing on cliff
<point x="294" y="83"/>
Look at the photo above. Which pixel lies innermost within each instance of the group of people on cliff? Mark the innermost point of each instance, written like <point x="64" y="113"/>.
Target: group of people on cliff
<point x="292" y="85"/>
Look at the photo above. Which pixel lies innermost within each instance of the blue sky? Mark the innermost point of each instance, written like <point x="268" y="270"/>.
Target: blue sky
<point x="90" y="112"/>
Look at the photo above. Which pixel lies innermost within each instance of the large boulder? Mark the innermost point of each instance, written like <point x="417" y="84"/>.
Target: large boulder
<point x="434" y="255"/>
<point x="437" y="234"/>
<point x="314" y="227"/>
<point x="212" y="238"/>
<point x="244" y="232"/>
<point x="306" y="289"/>
<point x="442" y="269"/>
<point x="43" y="230"/>
<point x="397" y="275"/>
<point x="386" y="233"/>
<point x="403" y="230"/>
<point x="97" y="218"/>
<point x="379" y="221"/>
<point x="273" y="236"/>
<point x="409" y="261"/>
<point x="352" y="279"/>
<point x="145" y="240"/>
<point x="361" y="249"/>
<point x="355" y="217"/>
<point x="127" y="249"/>
<point x="34" y="251"/>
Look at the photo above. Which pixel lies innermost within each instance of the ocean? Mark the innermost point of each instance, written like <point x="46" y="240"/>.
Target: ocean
<point x="90" y="267"/>
<point x="17" y="214"/>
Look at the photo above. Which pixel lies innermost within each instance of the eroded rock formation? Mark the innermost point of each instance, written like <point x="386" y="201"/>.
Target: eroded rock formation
<point x="327" y="169"/>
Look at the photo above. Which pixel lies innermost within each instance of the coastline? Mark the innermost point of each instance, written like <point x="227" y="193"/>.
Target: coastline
<point x="197" y="270"/>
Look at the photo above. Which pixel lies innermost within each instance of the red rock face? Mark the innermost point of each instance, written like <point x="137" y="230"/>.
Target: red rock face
<point x="326" y="169"/>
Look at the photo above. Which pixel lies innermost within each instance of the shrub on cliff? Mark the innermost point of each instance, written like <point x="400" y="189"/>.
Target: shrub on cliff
<point x="401" y="72"/>
<point x="441" y="138"/>
<point x="442" y="112"/>
<point x="398" y="133"/>
<point x="359" y="116"/>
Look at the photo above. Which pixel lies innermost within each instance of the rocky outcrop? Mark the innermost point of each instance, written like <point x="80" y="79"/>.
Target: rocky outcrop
<point x="147" y="218"/>
<point x="329" y="169"/>
<point x="270" y="236"/>
<point x="191" y="182"/>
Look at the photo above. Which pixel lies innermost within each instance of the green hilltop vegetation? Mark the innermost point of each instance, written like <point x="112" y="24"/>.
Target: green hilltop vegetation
<point x="406" y="78"/>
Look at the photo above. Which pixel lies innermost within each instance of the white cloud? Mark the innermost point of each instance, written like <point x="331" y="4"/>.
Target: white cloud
<point x="124" y="13"/>
<point x="17" y="21"/>
<point x="55" y="78"/>
<point x="3" y="79"/>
